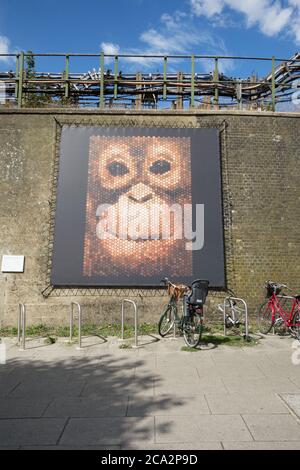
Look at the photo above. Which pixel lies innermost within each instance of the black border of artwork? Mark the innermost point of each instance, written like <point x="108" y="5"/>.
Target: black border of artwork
<point x="71" y="198"/>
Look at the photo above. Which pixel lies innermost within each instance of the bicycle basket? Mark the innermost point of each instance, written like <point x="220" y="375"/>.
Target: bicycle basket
<point x="199" y="292"/>
<point x="271" y="289"/>
<point x="177" y="291"/>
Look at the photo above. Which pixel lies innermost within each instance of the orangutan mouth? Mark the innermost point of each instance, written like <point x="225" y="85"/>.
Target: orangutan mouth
<point x="151" y="222"/>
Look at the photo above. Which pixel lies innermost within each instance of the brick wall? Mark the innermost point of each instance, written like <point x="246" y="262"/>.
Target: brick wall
<point x="261" y="203"/>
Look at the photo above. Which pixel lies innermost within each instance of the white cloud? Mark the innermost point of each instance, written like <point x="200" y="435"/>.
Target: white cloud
<point x="295" y="21"/>
<point x="110" y="48"/>
<point x="176" y="34"/>
<point x="271" y="16"/>
<point x="4" y="48"/>
<point x="207" y="8"/>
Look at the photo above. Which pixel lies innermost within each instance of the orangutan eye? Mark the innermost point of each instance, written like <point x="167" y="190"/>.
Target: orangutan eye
<point x="160" y="167"/>
<point x="117" y="169"/>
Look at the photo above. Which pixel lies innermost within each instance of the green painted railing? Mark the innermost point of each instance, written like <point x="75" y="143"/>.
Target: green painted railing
<point x="20" y="78"/>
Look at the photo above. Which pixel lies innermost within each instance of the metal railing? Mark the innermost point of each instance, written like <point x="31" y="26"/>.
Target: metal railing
<point x="135" y="321"/>
<point x="108" y="88"/>
<point x="72" y="323"/>
<point x="22" y="326"/>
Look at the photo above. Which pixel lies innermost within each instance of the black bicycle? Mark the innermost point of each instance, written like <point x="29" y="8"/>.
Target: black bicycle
<point x="190" y="322"/>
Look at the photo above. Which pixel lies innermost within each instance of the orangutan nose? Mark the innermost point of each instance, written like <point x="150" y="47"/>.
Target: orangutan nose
<point x="140" y="193"/>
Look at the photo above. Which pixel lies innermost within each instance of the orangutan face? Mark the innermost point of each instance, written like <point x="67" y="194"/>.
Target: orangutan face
<point x="133" y="183"/>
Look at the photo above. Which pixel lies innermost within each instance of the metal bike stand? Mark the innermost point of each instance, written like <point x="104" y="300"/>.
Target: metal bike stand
<point x="79" y="322"/>
<point x="22" y="325"/>
<point x="174" y="331"/>
<point x="231" y="300"/>
<point x="135" y="321"/>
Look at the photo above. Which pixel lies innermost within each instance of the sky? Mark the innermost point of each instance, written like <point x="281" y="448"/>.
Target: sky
<point x="209" y="27"/>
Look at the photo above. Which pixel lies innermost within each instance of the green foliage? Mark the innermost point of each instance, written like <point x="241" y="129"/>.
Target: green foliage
<point x="229" y="340"/>
<point x="125" y="346"/>
<point x="35" y="95"/>
<point x="211" y="335"/>
<point x="113" y="329"/>
<point x="189" y="349"/>
<point x="30" y="99"/>
<point x="29" y="65"/>
<point x="50" y="340"/>
<point x="217" y="340"/>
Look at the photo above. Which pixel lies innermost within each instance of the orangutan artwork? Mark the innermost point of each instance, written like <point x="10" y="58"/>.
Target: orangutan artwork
<point x="136" y="204"/>
<point x="129" y="178"/>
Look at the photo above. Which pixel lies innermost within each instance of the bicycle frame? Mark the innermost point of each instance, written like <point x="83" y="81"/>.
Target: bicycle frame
<point x="177" y="319"/>
<point x="287" y="317"/>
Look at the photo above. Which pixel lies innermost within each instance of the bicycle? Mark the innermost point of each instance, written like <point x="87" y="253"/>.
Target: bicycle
<point x="191" y="320"/>
<point x="272" y="312"/>
<point x="231" y="312"/>
<point x="234" y="314"/>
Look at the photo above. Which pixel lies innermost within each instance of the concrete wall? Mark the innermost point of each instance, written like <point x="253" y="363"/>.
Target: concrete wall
<point x="261" y="198"/>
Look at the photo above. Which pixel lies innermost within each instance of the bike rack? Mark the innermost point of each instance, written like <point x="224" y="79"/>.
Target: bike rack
<point x="72" y="322"/>
<point x="135" y="321"/>
<point x="22" y="325"/>
<point x="232" y="307"/>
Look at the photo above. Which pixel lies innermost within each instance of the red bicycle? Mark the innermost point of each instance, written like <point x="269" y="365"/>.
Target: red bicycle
<point x="272" y="312"/>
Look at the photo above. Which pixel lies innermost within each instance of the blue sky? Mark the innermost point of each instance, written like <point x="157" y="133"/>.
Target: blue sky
<point x="227" y="27"/>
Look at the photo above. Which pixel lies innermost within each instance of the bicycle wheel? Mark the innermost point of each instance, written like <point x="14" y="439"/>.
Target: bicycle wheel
<point x="295" y="329"/>
<point x="265" y="318"/>
<point x="192" y="330"/>
<point x="166" y="321"/>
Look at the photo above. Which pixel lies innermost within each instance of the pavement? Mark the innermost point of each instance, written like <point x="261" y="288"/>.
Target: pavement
<point x="153" y="397"/>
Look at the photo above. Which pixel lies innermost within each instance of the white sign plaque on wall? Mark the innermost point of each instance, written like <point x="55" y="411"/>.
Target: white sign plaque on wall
<point x="12" y="264"/>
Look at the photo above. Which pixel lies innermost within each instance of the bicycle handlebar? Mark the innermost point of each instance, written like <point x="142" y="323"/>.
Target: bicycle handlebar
<point x="166" y="281"/>
<point x="277" y="285"/>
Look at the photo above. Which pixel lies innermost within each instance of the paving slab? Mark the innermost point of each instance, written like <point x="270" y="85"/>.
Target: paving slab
<point x="294" y="377"/>
<point x="48" y="388"/>
<point x="42" y="431"/>
<point x="168" y="405"/>
<point x="8" y="384"/>
<point x="9" y="448"/>
<point x="122" y="386"/>
<point x="204" y="427"/>
<point x="75" y="407"/>
<point x="244" y="402"/>
<point x="194" y="445"/>
<point x="273" y="427"/>
<point x="156" y="397"/>
<point x="293" y="402"/>
<point x="275" y="384"/>
<point x="261" y="445"/>
<point x="71" y="447"/>
<point x="187" y="387"/>
<point x="171" y="372"/>
<point x="110" y="431"/>
<point x="239" y="371"/>
<point x="22" y="407"/>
